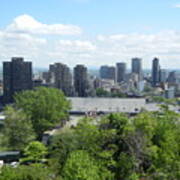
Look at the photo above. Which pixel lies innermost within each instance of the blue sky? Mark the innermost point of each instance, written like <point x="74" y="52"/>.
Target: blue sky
<point x="98" y="16"/>
<point x="104" y="25"/>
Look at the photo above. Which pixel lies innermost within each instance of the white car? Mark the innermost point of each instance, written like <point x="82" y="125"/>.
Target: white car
<point x="14" y="164"/>
<point x="1" y="163"/>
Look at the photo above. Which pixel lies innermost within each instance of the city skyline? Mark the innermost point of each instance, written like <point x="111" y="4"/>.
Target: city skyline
<point x="89" y="90"/>
<point x="80" y="32"/>
<point x="18" y="76"/>
<point x="129" y="65"/>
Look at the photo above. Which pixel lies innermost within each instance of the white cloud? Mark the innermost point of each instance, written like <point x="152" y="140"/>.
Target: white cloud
<point x="73" y="51"/>
<point x="122" y="47"/>
<point x="24" y="45"/>
<point x="176" y="5"/>
<point x="27" y="24"/>
<point x="22" y="38"/>
<point x="76" y="45"/>
<point x="13" y="38"/>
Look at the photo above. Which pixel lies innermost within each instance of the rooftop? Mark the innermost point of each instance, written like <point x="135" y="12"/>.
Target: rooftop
<point x="126" y="105"/>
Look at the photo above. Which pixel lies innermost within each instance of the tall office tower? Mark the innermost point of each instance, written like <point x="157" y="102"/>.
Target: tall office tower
<point x="172" y="78"/>
<point x="163" y="75"/>
<point x="62" y="77"/>
<point x="49" y="76"/>
<point x="81" y="80"/>
<point x="46" y="77"/>
<point x="17" y="76"/>
<point x="120" y="72"/>
<point x="155" y="72"/>
<point x="107" y="72"/>
<point x="137" y="67"/>
<point x="112" y="73"/>
<point x="52" y="68"/>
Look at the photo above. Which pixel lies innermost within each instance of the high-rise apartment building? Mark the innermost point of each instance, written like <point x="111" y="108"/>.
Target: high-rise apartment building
<point x="62" y="77"/>
<point x="17" y="76"/>
<point x="81" y="80"/>
<point x="137" y="67"/>
<point x="172" y="78"/>
<point x="107" y="72"/>
<point x="155" y="72"/>
<point x="120" y="72"/>
<point x="163" y="75"/>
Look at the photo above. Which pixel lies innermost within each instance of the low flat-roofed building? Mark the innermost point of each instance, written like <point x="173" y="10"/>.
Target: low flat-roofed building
<point x="113" y="105"/>
<point x="107" y="105"/>
<point x="10" y="156"/>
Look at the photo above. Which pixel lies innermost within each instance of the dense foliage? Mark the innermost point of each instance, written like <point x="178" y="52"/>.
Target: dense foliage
<point x="146" y="146"/>
<point x="100" y="92"/>
<point x="18" y="131"/>
<point x="33" y="112"/>
<point x="35" y="152"/>
<point x="79" y="165"/>
<point x="32" y="172"/>
<point x="46" y="107"/>
<point x="111" y="147"/>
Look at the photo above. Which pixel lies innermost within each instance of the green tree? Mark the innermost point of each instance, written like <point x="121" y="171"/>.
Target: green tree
<point x="35" y="152"/>
<point x="146" y="146"/>
<point x="81" y="166"/>
<point x="126" y="166"/>
<point x="31" y="172"/>
<point x="166" y="160"/>
<point x="45" y="106"/>
<point x="18" y="131"/>
<point x="88" y="137"/>
<point x="100" y="92"/>
<point x="118" y="94"/>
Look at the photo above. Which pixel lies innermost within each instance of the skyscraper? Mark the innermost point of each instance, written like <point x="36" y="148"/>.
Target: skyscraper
<point x="120" y="72"/>
<point x="62" y="77"/>
<point x="17" y="76"/>
<point x="163" y="75"/>
<point x="81" y="80"/>
<point x="155" y="72"/>
<point x="172" y="78"/>
<point x="137" y="67"/>
<point x="107" y="72"/>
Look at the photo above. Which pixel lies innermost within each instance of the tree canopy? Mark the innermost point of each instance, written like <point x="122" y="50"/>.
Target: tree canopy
<point x="35" y="151"/>
<point x="145" y="146"/>
<point x="18" y="130"/>
<point x="31" y="172"/>
<point x="79" y="165"/>
<point x="110" y="147"/>
<point x="46" y="107"/>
